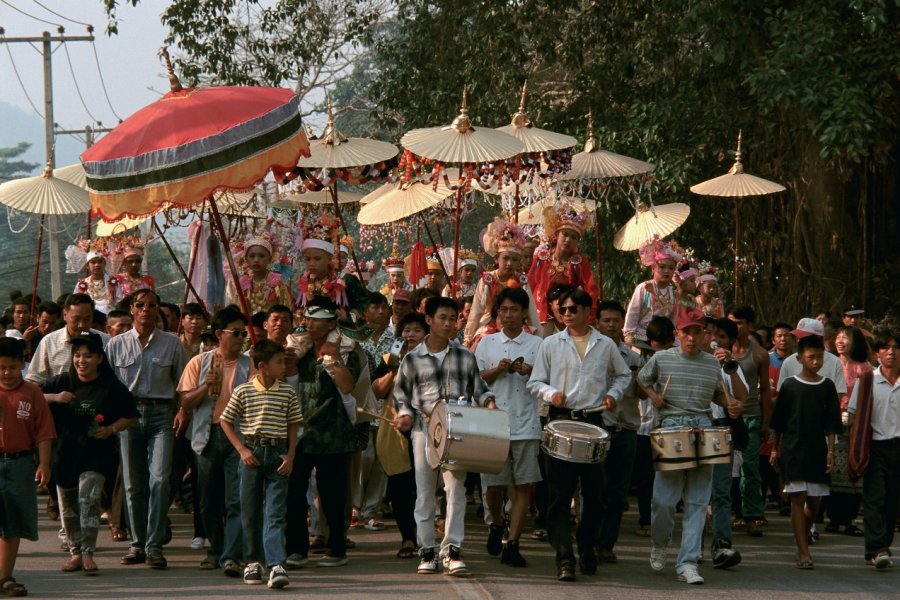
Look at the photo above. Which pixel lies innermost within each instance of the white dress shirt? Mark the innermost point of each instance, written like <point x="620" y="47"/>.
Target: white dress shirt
<point x="509" y="389"/>
<point x="885" y="407"/>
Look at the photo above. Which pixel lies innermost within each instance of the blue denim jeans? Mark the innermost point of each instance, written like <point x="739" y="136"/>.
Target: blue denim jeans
<point x="263" y="506"/>
<point x="147" y="449"/>
<point x="751" y="482"/>
<point x="721" y="505"/>
<point x="694" y="486"/>
<point x="218" y="483"/>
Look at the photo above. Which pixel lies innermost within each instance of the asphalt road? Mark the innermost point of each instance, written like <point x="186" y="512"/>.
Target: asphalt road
<point x="374" y="572"/>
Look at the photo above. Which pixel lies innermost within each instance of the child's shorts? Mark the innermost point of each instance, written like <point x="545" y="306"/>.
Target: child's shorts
<point x="810" y="487"/>
<point x="18" y="498"/>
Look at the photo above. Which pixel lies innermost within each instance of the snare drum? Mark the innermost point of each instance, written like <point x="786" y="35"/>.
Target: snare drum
<point x="673" y="448"/>
<point x="468" y="438"/>
<point x="714" y="446"/>
<point x="574" y="441"/>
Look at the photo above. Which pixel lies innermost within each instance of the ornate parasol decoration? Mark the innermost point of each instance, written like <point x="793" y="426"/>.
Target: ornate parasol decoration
<point x="596" y="173"/>
<point x="191" y="143"/>
<point x="481" y="155"/>
<point x="534" y="214"/>
<point x="648" y="221"/>
<point x="738" y="185"/>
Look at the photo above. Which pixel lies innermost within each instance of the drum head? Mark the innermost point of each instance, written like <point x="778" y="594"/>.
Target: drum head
<point x="438" y="440"/>
<point x="576" y="429"/>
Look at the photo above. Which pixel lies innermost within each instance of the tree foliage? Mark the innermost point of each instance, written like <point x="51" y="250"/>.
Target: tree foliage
<point x="13" y="169"/>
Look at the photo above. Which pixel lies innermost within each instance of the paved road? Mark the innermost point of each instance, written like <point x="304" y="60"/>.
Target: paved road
<point x="374" y="573"/>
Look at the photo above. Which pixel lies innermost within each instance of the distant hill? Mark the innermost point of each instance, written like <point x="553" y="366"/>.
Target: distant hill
<point x="17" y="125"/>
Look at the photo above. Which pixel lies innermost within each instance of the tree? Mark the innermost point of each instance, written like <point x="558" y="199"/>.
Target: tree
<point x="13" y="169"/>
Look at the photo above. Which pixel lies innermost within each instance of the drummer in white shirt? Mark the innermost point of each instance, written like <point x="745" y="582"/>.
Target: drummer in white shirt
<point x="505" y="360"/>
<point x="576" y="370"/>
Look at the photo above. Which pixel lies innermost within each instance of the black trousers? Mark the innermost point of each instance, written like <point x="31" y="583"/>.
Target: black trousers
<point x="642" y="478"/>
<point x="331" y="479"/>
<point x="881" y="490"/>
<point x="562" y="477"/>
<point x="617" y="472"/>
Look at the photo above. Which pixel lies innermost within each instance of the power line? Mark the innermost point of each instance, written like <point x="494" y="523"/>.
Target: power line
<point x="77" y="87"/>
<point x="103" y="83"/>
<point x="65" y="18"/>
<point x="19" y="10"/>
<point x="19" y="78"/>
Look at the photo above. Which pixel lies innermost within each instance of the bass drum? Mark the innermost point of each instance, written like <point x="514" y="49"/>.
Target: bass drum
<point x="468" y="438"/>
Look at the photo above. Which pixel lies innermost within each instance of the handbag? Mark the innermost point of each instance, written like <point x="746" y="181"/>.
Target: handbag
<point x="391" y="446"/>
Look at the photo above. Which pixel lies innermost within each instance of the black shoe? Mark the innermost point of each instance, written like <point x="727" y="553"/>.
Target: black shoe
<point x="511" y="555"/>
<point x="156" y="560"/>
<point x="587" y="562"/>
<point x="565" y="571"/>
<point x="168" y="536"/>
<point x="832" y="527"/>
<point x="495" y="540"/>
<point x="135" y="556"/>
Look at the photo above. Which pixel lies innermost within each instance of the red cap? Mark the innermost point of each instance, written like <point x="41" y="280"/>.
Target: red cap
<point x="688" y="317"/>
<point x="402" y="295"/>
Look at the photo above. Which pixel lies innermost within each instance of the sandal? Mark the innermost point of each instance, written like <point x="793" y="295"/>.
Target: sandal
<point x="806" y="565"/>
<point x="208" y="564"/>
<point x="73" y="564"/>
<point x="739" y="524"/>
<point x="407" y="550"/>
<point x="89" y="566"/>
<point x="12" y="588"/>
<point x="119" y="535"/>
<point x="761" y="522"/>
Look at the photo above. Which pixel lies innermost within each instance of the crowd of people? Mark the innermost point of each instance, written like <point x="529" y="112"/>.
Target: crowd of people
<point x="311" y="414"/>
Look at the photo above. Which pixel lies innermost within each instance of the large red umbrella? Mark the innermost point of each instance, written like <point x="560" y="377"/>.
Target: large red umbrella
<point x="191" y="143"/>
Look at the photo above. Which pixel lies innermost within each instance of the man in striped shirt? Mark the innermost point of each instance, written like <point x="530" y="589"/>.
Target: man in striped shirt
<point x="269" y="415"/>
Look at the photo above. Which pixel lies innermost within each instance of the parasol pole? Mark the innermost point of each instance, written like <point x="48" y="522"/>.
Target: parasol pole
<point x="737" y="245"/>
<point x="242" y="298"/>
<point x="178" y="264"/>
<point x="340" y="217"/>
<point x="437" y="253"/>
<point x="599" y="250"/>
<point x="37" y="265"/>
<point x="459" y="196"/>
<point x="195" y="247"/>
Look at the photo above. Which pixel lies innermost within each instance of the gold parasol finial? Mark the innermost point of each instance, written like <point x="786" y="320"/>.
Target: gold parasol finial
<point x="48" y="170"/>
<point x="520" y="119"/>
<point x="590" y="144"/>
<point x="331" y="135"/>
<point x="462" y="123"/>
<point x="738" y="166"/>
<point x="174" y="84"/>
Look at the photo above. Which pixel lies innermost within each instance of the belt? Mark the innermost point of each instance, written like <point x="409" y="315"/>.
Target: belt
<point x="578" y="414"/>
<point x="260" y="441"/>
<point x="152" y="401"/>
<point x="14" y="455"/>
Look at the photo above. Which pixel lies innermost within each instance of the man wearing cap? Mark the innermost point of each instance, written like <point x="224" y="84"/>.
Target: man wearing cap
<point x="130" y="280"/>
<point x="560" y="261"/>
<point x="851" y="316"/>
<point x="831" y="367"/>
<point x="149" y="362"/>
<point x="682" y="382"/>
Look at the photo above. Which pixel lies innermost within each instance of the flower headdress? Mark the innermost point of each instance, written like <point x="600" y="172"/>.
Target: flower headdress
<point x="565" y="216"/>
<point x="707" y="272"/>
<point x="268" y="240"/>
<point x="655" y="250"/>
<point x="502" y="236"/>
<point x="320" y="233"/>
<point x="395" y="262"/>
<point x="83" y="251"/>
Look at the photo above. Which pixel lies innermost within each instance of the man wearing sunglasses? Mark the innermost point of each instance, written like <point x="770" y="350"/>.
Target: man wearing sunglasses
<point x="205" y="388"/>
<point x="578" y="372"/>
<point x="149" y="362"/>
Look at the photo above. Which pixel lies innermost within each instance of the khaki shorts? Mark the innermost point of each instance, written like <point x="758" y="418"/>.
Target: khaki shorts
<point x="520" y="468"/>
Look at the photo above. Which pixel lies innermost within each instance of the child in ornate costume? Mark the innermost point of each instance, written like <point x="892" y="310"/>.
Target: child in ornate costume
<point x="560" y="261"/>
<point x="394" y="267"/>
<point x="708" y="297"/>
<point x="262" y="286"/>
<point x="91" y="255"/>
<point x="130" y="279"/>
<point x="656" y="297"/>
<point x="467" y="268"/>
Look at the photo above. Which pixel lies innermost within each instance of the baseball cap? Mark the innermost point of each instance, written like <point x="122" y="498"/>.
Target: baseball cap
<point x="807" y="326"/>
<point x="853" y="311"/>
<point x="402" y="295"/>
<point x="690" y="317"/>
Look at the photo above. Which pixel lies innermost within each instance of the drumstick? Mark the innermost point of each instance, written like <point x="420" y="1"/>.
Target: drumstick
<point x="373" y="415"/>
<point x="666" y="387"/>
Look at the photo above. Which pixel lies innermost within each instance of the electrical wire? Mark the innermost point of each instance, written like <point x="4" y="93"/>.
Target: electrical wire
<point x="102" y="82"/>
<point x="19" y="78"/>
<point x="75" y="81"/>
<point x="63" y="17"/>
<point x="19" y="10"/>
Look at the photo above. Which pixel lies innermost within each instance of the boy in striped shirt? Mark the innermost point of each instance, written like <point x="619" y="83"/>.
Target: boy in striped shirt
<point x="268" y="414"/>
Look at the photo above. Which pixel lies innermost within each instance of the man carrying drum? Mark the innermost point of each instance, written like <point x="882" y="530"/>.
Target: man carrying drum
<point x="681" y="382"/>
<point x="578" y="372"/>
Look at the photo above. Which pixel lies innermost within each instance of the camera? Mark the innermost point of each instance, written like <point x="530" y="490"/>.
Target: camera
<point x="730" y="366"/>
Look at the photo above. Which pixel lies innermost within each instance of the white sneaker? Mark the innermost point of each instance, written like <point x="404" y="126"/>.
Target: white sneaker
<point x="453" y="564"/>
<point x="197" y="543"/>
<point x="278" y="578"/>
<point x="253" y="574"/>
<point x="428" y="564"/>
<point x="690" y="575"/>
<point x="883" y="561"/>
<point x="658" y="558"/>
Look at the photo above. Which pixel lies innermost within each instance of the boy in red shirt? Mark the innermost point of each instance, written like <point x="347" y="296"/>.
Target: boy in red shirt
<point x="25" y="423"/>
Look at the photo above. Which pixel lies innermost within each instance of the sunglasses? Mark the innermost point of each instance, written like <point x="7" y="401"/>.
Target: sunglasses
<point x="568" y="309"/>
<point x="146" y="305"/>
<point x="237" y="332"/>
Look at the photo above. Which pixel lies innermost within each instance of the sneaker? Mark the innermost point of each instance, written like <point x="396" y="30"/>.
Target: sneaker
<point x="690" y="575"/>
<point x="453" y="564"/>
<point x="883" y="561"/>
<point x="428" y="563"/>
<point x="658" y="558"/>
<point x="374" y="525"/>
<point x="253" y="574"/>
<point x="296" y="561"/>
<point x="156" y="560"/>
<point x="725" y="558"/>
<point x="197" y="543"/>
<point x="511" y="555"/>
<point x="495" y="540"/>
<point x="332" y="561"/>
<point x="278" y="578"/>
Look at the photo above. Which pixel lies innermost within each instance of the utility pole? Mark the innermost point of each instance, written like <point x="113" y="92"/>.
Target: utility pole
<point x="47" y="53"/>
<point x="88" y="142"/>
